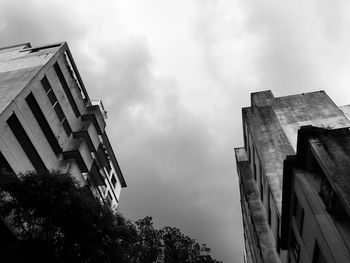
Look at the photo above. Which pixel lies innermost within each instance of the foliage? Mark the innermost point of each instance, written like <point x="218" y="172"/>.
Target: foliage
<point x="181" y="248"/>
<point x="148" y="247"/>
<point x="54" y="215"/>
<point x="56" y="220"/>
<point x="168" y="245"/>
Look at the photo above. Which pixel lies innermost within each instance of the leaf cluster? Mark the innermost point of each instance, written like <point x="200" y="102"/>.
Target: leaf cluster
<point x="56" y="220"/>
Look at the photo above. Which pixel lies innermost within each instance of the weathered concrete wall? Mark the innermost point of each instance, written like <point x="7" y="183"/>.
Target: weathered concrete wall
<point x="272" y="146"/>
<point x="332" y="150"/>
<point x="17" y="69"/>
<point x="314" y="108"/>
<point x="273" y="129"/>
<point x="262" y="98"/>
<point x="261" y="246"/>
<point x="346" y="110"/>
<point x="317" y="224"/>
<point x="11" y="84"/>
<point x="10" y="148"/>
<point x="72" y="84"/>
<point x="20" y="75"/>
<point x="271" y="126"/>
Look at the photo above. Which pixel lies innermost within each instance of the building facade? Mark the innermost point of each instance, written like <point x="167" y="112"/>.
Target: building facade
<point x="48" y="122"/>
<point x="316" y="197"/>
<point x="270" y="128"/>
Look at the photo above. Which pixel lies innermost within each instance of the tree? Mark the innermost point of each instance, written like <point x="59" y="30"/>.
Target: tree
<point x="148" y="247"/>
<point x="168" y="245"/>
<point x="181" y="248"/>
<point x="56" y="220"/>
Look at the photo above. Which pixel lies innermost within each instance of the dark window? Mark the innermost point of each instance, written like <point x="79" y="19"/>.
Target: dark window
<point x="66" y="89"/>
<point x="109" y="198"/>
<point x="262" y="180"/>
<point x="318" y="256"/>
<point x="295" y="247"/>
<point x="59" y="111"/>
<point x="4" y="165"/>
<point x="249" y="153"/>
<point x="56" y="105"/>
<point x="295" y="200"/>
<point x="278" y="234"/>
<point x="246" y="133"/>
<point x="248" y="145"/>
<point x="327" y="194"/>
<point x="25" y="143"/>
<point x="298" y="213"/>
<point x="300" y="221"/>
<point x="113" y="180"/>
<point x="261" y="189"/>
<point x="44" y="125"/>
<point x="46" y="84"/>
<point x="108" y="167"/>
<point x="52" y="97"/>
<point x="254" y="164"/>
<point x="269" y="208"/>
<point x="66" y="127"/>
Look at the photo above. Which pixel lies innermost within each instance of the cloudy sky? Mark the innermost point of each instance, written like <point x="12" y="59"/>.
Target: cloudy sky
<point x="174" y="76"/>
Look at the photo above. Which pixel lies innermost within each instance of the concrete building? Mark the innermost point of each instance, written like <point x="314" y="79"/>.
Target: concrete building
<point x="316" y="197"/>
<point x="48" y="121"/>
<point x="270" y="128"/>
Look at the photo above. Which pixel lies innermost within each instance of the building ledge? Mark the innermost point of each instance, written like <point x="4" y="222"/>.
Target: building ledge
<point x="266" y="243"/>
<point x="94" y="114"/>
<point x="88" y="132"/>
<point x="95" y="175"/>
<point x="77" y="148"/>
<point x="241" y="154"/>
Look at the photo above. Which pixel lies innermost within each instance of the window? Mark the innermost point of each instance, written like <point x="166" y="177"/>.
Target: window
<point x="56" y="105"/>
<point x="109" y="198"/>
<point x="113" y="180"/>
<point x="44" y="125"/>
<point x="327" y="193"/>
<point x="66" y="89"/>
<point x="262" y="184"/>
<point x="269" y="208"/>
<point x="248" y="144"/>
<point x="261" y="189"/>
<point x="25" y="143"/>
<point x="249" y="158"/>
<point x="104" y="189"/>
<point x="254" y="165"/>
<point x="295" y="247"/>
<point x="278" y="234"/>
<point x="298" y="213"/>
<point x="4" y="165"/>
<point x="318" y="256"/>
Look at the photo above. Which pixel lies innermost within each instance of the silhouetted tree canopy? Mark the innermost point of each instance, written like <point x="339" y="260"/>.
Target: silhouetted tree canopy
<point x="56" y="220"/>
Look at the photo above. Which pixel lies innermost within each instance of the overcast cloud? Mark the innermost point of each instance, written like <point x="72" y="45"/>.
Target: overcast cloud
<point x="174" y="76"/>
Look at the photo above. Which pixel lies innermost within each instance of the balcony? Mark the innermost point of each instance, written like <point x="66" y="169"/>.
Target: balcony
<point x="78" y="149"/>
<point x="88" y="132"/>
<point x="94" y="114"/>
<point x="96" y="177"/>
<point x="102" y="108"/>
<point x="103" y="157"/>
